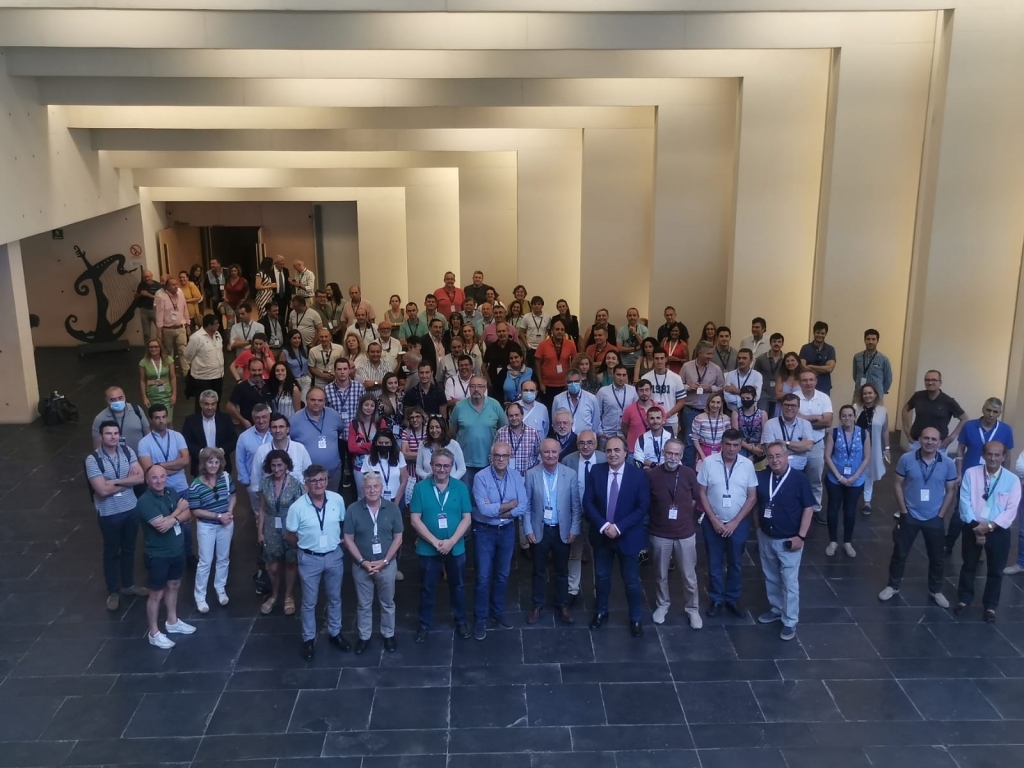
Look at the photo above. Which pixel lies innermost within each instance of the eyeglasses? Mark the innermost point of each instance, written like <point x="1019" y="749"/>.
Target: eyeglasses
<point x="443" y="467"/>
<point x="501" y="455"/>
<point x="317" y="481"/>
<point x="586" y="442"/>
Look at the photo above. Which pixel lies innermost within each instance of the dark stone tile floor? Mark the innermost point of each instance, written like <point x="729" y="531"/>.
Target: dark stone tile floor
<point x="864" y="684"/>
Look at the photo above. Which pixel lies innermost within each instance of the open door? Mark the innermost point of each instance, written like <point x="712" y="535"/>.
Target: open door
<point x="180" y="247"/>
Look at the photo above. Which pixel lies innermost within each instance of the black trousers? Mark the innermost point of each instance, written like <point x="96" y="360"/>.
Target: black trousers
<point x="550" y="541"/>
<point x="845" y="497"/>
<point x="903" y="536"/>
<point x="997" y="551"/>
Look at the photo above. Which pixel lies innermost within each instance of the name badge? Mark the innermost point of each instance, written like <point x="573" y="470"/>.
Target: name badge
<point x="673" y="512"/>
<point x="863" y="380"/>
<point x="726" y="501"/>
<point x="772" y="383"/>
<point x="278" y="523"/>
<point x="322" y="442"/>
<point x="375" y="548"/>
<point x="767" y="513"/>
<point x="323" y="541"/>
<point x="926" y="495"/>
<point x="119" y="493"/>
<point x="847" y="471"/>
<point x="442" y="522"/>
<point x="160" y="388"/>
<point x="177" y="529"/>
<point x="174" y="316"/>
<point x="549" y="514"/>
<point x="700" y="391"/>
<point x="387" y="494"/>
<point x="558" y="368"/>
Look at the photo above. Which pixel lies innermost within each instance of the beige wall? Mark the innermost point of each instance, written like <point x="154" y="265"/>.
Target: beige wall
<point x="20" y="394"/>
<point x="51" y="268"/>
<point x="340" y="228"/>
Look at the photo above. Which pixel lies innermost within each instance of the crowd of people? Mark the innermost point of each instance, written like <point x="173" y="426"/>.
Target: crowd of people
<point x="505" y="426"/>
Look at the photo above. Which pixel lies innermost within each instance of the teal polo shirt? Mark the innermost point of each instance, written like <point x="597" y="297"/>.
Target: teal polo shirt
<point x="425" y="503"/>
<point x="477" y="430"/>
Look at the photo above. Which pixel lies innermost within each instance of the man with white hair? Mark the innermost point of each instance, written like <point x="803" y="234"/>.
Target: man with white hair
<point x="172" y="320"/>
<point x="303" y="282"/>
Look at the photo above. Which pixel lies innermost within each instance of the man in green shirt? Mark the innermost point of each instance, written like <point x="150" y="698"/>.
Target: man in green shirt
<point x="162" y="512"/>
<point x="441" y="515"/>
<point x="475" y="422"/>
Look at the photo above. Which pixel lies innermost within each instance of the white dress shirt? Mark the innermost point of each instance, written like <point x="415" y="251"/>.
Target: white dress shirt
<point x="210" y="430"/>
<point x="741" y="380"/>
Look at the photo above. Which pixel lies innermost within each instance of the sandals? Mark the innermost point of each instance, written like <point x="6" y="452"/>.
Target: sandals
<point x="289" y="606"/>
<point x="268" y="605"/>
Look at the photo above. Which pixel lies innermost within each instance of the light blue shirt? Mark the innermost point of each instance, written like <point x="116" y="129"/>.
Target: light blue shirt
<point x="304" y="520"/>
<point x="584" y="415"/>
<point x="248" y="443"/>
<point x="536" y="416"/>
<point x="308" y="432"/>
<point x="611" y="403"/>
<point x="476" y="320"/>
<point x="490" y="492"/>
<point x="164" y="449"/>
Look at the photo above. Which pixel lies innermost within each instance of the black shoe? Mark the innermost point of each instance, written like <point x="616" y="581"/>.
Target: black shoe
<point x="339" y="642"/>
<point x="390" y="644"/>
<point x="307" y="649"/>
<point x="713" y="610"/>
<point x="421" y="634"/>
<point x="526" y="552"/>
<point x="598" y="620"/>
<point x="480" y="631"/>
<point x="636" y="629"/>
<point x="502" y="622"/>
<point x="572" y="600"/>
<point x="733" y="609"/>
<point x="463" y="631"/>
<point x="361" y="645"/>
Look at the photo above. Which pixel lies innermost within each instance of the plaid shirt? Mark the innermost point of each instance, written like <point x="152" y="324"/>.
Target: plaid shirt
<point x="345" y="402"/>
<point x="524" y="450"/>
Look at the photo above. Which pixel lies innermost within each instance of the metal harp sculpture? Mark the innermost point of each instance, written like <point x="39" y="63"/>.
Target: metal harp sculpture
<point x="114" y="288"/>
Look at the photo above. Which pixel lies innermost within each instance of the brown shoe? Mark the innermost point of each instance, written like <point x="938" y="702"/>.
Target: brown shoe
<point x="534" y="616"/>
<point x="135" y="591"/>
<point x="566" y="615"/>
<point x="959" y="608"/>
<point x="113" y="602"/>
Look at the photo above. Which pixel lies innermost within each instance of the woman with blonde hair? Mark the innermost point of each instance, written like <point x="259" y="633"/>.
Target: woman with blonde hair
<point x="157" y="379"/>
<point x="355" y="350"/>
<point x="211" y="497"/>
<point x="708" y="428"/>
<point x="590" y="382"/>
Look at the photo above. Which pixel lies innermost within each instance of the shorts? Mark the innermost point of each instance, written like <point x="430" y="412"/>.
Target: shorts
<point x="164" y="569"/>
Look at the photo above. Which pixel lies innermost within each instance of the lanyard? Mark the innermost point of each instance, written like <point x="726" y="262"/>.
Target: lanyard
<point x="550" y="490"/>
<point x="512" y="441"/>
<point x="164" y="449"/>
<point x="846" y="443"/>
<point x="675" y="486"/>
<point x="246" y="330"/>
<point x="160" y="371"/>
<point x="714" y="429"/>
<point x="725" y="361"/>
<point x="388" y="350"/>
<point x="373" y="516"/>
<point x="415" y="329"/>
<point x="321" y="513"/>
<point x="773" y="365"/>
<point x="748" y="422"/>
<point x="386" y="474"/>
<point x="117" y="467"/>
<point x="991" y="483"/>
<point x="773" y="488"/>
<point x="441" y="502"/>
<point x="503" y="484"/>
<point x="465" y="387"/>
<point x="987" y="438"/>
<point x="537" y="322"/>
<point x="658" y="386"/>
<point x="325" y="355"/>
<point x="343" y="397"/>
<point x="319" y="427"/>
<point x="298" y="317"/>
<point x="622" y="405"/>
<point x="579" y="400"/>
<point x="792" y="431"/>
<point x="120" y="425"/>
<point x="558" y="351"/>
<point x="742" y="384"/>
<point x="924" y="468"/>
<point x="657" y="448"/>
<point x="727" y="471"/>
<point x="700" y="377"/>
<point x="516" y="377"/>
<point x="278" y="494"/>
<point x="867" y="362"/>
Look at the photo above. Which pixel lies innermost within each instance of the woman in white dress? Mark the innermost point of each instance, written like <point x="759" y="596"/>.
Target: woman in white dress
<point x="872" y="416"/>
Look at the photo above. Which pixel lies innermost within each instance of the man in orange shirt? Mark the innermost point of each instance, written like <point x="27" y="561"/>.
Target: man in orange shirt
<point x="600" y="347"/>
<point x="553" y="358"/>
<point x="449" y="297"/>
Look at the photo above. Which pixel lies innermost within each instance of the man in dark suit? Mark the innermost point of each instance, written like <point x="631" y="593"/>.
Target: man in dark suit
<point x="199" y="427"/>
<point x="616" y="501"/>
<point x="283" y="294"/>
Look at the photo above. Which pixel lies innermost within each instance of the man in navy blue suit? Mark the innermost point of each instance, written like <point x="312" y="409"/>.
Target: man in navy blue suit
<point x="616" y="501"/>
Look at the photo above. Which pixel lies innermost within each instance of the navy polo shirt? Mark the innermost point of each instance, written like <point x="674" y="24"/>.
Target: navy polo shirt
<point x="815" y="356"/>
<point x="973" y="438"/>
<point x="787" y="508"/>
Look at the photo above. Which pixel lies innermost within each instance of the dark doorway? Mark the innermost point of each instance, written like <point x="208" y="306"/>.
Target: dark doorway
<point x="233" y="245"/>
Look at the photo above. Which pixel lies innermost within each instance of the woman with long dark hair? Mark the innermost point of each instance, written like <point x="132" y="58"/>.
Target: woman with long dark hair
<point x="361" y="432"/>
<point x="571" y="322"/>
<point x="455" y="323"/>
<point x="296" y="356"/>
<point x="789" y="376"/>
<point x="847" y="458"/>
<point x="645" y="363"/>
<point x="287" y="397"/>
<point x="266" y="286"/>
<point x="438" y="437"/>
<point x="390" y="409"/>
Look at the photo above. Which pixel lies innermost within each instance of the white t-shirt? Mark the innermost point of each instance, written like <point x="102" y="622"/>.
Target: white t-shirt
<point x="392" y="476"/>
<point x="456" y="389"/>
<point x="739" y="380"/>
<point x="727" y="492"/>
<point x="815" y="406"/>
<point x="667" y="391"/>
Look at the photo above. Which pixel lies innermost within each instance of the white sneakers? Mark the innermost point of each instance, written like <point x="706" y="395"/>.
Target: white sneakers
<point x="180" y="628"/>
<point x="659" y="615"/>
<point x="202" y="606"/>
<point x="850" y="551"/>
<point x="695" y="620"/>
<point x="222" y="598"/>
<point x="831" y="549"/>
<point x="160" y="640"/>
<point x="1011" y="570"/>
<point x="940" y="600"/>
<point x="887" y="593"/>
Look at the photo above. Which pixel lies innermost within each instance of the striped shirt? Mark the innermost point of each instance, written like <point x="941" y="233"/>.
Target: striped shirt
<point x="216" y="499"/>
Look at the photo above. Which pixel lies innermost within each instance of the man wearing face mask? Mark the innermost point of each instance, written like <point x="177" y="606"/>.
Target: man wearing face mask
<point x="534" y="414"/>
<point x="131" y="419"/>
<point x="581" y="405"/>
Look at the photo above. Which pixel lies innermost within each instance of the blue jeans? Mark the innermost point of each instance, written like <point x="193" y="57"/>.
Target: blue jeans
<point x="430" y="572"/>
<point x="494" y="547"/>
<point x="781" y="568"/>
<point x="686" y="418"/>
<point x="725" y="551"/>
<point x="629" y="567"/>
<point x="119" y="534"/>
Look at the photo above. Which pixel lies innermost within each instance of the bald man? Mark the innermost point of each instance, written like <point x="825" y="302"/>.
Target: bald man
<point x="356" y="301"/>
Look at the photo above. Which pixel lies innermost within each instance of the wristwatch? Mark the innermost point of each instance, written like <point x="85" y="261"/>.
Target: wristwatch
<point x="386" y="562"/>
<point x="360" y="563"/>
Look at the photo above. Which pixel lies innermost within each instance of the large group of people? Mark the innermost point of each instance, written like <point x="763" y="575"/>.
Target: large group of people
<point x="502" y="425"/>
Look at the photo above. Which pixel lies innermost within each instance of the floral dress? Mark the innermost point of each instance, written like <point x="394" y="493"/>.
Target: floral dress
<point x="276" y="510"/>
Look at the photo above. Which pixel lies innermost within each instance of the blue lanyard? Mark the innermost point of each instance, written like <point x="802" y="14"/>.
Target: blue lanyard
<point x="550" y="490"/>
<point x="501" y="488"/>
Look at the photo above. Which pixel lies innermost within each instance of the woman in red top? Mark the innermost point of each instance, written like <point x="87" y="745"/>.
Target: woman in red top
<point x="361" y="432"/>
<point x="675" y="348"/>
<point x="553" y="358"/>
<point x="236" y="289"/>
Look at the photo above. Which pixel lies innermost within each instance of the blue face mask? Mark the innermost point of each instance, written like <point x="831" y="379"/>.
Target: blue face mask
<point x="529" y="397"/>
<point x="117" y="406"/>
<point x="574" y="387"/>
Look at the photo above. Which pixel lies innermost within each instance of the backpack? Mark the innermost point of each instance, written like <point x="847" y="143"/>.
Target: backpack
<point x="57" y="409"/>
<point x="99" y="463"/>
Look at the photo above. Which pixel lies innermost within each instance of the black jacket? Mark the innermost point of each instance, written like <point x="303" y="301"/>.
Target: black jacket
<point x="195" y="437"/>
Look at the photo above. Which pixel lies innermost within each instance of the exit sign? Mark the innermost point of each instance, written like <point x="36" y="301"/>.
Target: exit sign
<point x="58" y="234"/>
